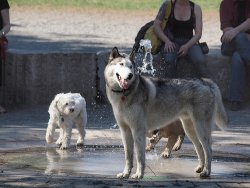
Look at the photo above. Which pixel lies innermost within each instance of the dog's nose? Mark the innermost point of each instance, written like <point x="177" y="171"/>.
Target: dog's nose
<point x="71" y="110"/>
<point x="130" y="76"/>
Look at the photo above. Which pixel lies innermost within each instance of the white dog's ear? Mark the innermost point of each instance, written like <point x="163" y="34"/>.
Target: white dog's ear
<point x="114" y="54"/>
<point x="53" y="105"/>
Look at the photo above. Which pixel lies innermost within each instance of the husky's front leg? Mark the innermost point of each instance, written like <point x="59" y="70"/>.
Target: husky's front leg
<point x="128" y="144"/>
<point x="140" y="143"/>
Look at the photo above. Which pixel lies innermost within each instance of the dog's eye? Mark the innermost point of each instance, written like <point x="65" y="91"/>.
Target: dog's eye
<point x="67" y="104"/>
<point x="131" y="67"/>
<point x="121" y="64"/>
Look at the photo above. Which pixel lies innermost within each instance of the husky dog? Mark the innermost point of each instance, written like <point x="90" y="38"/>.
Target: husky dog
<point x="142" y="104"/>
<point x="175" y="134"/>
<point x="65" y="110"/>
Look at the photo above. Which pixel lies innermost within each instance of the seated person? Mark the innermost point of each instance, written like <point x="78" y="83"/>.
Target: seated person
<point x="181" y="36"/>
<point x="235" y="24"/>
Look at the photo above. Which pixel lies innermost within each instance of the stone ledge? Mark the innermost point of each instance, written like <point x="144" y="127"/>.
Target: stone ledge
<point x="36" y="78"/>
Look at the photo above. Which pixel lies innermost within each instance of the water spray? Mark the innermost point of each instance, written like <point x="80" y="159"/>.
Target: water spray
<point x="147" y="62"/>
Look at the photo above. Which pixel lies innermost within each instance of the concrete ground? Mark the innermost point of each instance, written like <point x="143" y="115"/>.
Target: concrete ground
<point x="27" y="161"/>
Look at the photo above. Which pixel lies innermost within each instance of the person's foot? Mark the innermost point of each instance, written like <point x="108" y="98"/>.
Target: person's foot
<point x="236" y="105"/>
<point x="2" y="110"/>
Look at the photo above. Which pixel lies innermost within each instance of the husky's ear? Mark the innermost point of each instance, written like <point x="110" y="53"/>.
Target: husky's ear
<point x="132" y="55"/>
<point x="114" y="54"/>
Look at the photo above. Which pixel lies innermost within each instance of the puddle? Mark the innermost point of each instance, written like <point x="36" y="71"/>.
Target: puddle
<point x="110" y="161"/>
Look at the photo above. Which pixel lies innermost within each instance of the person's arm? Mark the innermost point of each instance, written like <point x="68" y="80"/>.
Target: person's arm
<point x="159" y="32"/>
<point x="169" y="45"/>
<point x="243" y="27"/>
<point x="229" y="33"/>
<point x="198" y="32"/>
<point x="6" y="21"/>
<point x="226" y="17"/>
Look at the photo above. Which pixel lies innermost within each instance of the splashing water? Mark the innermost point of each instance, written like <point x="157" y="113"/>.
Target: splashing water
<point x="147" y="62"/>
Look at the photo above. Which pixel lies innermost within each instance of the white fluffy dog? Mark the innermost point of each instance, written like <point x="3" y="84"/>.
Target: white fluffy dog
<point x="66" y="110"/>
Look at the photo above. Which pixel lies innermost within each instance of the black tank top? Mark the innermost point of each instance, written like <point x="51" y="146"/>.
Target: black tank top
<point x="183" y="29"/>
<point x="3" y="5"/>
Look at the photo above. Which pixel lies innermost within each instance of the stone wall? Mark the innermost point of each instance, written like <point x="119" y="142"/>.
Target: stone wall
<point x="34" y="79"/>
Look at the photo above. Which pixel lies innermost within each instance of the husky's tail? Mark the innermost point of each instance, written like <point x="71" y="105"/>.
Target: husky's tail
<point x="221" y="117"/>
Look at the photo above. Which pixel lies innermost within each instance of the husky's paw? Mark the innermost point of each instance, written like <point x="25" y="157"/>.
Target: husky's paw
<point x="205" y="174"/>
<point x="198" y="169"/>
<point x="123" y="175"/>
<point x="137" y="176"/>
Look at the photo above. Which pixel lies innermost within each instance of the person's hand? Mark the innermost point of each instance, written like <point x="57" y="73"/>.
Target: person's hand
<point x="183" y="50"/>
<point x="229" y="35"/>
<point x="169" y="46"/>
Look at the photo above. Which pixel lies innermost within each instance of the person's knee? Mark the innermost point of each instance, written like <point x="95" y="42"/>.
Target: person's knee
<point x="240" y="37"/>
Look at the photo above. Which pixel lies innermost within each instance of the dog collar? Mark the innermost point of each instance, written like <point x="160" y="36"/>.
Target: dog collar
<point x="121" y="91"/>
<point x="125" y="92"/>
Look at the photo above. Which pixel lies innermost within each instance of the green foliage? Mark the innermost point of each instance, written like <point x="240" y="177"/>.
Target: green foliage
<point x="208" y="5"/>
<point x="118" y="4"/>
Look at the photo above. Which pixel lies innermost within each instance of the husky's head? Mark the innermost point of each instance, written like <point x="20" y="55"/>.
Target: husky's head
<point x="119" y="73"/>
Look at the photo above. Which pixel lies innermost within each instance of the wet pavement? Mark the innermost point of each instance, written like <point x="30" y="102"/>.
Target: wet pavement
<point x="27" y="161"/>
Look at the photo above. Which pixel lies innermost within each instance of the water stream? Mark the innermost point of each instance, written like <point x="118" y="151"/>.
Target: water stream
<point x="147" y="61"/>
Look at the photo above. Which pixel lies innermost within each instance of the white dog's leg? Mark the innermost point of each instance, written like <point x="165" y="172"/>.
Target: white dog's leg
<point x="128" y="144"/>
<point x="60" y="139"/>
<point x="140" y="144"/>
<point x="50" y="130"/>
<point x="81" y="123"/>
<point x="191" y="133"/>
<point x="67" y="130"/>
